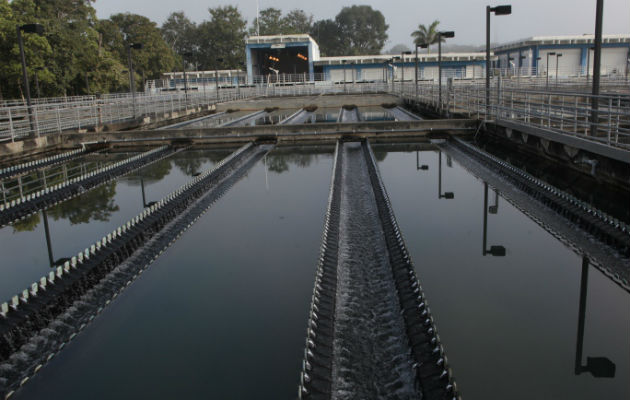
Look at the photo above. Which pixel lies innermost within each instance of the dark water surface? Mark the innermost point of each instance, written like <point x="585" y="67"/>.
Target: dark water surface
<point x="79" y="222"/>
<point x="509" y="324"/>
<point x="222" y="313"/>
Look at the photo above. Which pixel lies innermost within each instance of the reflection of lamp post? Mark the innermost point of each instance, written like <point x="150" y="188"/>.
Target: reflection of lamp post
<point x="498" y="10"/>
<point x="599" y="367"/>
<point x="447" y="34"/>
<point x="28" y="28"/>
<point x="496" y="251"/>
<point x="445" y="195"/>
<point x="144" y="199"/>
<point x="423" y="167"/>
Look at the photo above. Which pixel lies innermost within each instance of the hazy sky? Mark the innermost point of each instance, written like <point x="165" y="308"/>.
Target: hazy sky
<point x="465" y="17"/>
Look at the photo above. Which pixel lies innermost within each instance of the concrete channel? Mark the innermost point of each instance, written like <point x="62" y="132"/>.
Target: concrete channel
<point x="370" y="331"/>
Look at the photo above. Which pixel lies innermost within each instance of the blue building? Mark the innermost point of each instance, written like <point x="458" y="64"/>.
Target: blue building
<point x="569" y="55"/>
<point x="294" y="58"/>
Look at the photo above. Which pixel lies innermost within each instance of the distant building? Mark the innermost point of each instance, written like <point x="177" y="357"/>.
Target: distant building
<point x="577" y="56"/>
<point x="281" y="55"/>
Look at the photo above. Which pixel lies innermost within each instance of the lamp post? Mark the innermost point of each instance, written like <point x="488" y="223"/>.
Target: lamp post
<point x="446" y="34"/>
<point x="402" y="63"/>
<point x="558" y="55"/>
<point x="551" y="53"/>
<point x="495" y="251"/>
<point x="216" y="75"/>
<point x="343" y="62"/>
<point x="28" y="28"/>
<point x="132" y="84"/>
<point x="186" y="54"/>
<point x="498" y="10"/>
<point x="445" y="195"/>
<point x="422" y="46"/>
<point x="597" y="62"/>
<point x="520" y="65"/>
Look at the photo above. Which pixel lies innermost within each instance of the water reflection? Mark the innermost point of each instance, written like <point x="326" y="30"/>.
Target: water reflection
<point x="494" y="250"/>
<point x="599" y="367"/>
<point x="445" y="195"/>
<point x="419" y="167"/>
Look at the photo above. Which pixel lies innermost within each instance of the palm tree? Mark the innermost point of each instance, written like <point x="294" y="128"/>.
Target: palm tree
<point x="426" y="35"/>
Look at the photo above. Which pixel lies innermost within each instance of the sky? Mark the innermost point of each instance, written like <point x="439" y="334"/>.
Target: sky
<point x="465" y="17"/>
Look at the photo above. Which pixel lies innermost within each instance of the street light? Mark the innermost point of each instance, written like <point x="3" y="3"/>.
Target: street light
<point x="186" y="54"/>
<point x="597" y="61"/>
<point x="445" y="195"/>
<point x="495" y="251"/>
<point x="216" y="74"/>
<point x="551" y="53"/>
<point x="402" y="62"/>
<point x="520" y="65"/>
<point x="446" y="34"/>
<point x="558" y="55"/>
<point x="422" y="46"/>
<point x="498" y="10"/>
<point x="28" y="28"/>
<point x="132" y="84"/>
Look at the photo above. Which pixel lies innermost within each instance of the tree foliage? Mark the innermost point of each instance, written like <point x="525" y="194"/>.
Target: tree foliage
<point x="363" y="30"/>
<point x="426" y="35"/>
<point x="222" y="37"/>
<point x="327" y="34"/>
<point x="271" y="22"/>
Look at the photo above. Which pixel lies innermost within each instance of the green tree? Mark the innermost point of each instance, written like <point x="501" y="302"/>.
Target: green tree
<point x="270" y="22"/>
<point x="36" y="48"/>
<point x="297" y="22"/>
<point x="426" y="35"/>
<point x="155" y="56"/>
<point x="223" y="36"/>
<point x="327" y="34"/>
<point x="363" y="29"/>
<point x="180" y="34"/>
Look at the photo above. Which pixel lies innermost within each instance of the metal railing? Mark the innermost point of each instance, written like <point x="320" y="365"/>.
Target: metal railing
<point x="564" y="107"/>
<point x="603" y="119"/>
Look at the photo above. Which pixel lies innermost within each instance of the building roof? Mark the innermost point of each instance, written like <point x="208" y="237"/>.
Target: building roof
<point x="560" y="40"/>
<point x="382" y="58"/>
<point x="273" y="39"/>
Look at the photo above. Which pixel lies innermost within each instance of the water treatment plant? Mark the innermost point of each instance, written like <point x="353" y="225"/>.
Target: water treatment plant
<point x="348" y="229"/>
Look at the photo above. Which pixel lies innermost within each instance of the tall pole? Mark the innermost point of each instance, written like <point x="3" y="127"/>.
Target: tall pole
<point x="487" y="61"/>
<point x="440" y="71"/>
<point x="558" y="55"/>
<point x="27" y="90"/>
<point x="597" y="61"/>
<point x="402" y="67"/>
<point x="416" y="75"/>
